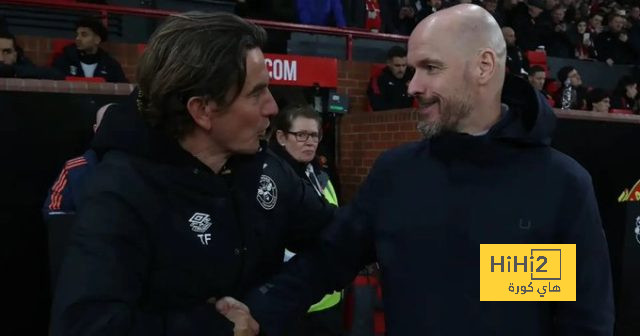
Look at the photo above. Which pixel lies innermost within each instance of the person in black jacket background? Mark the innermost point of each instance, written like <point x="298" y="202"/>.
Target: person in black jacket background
<point x="85" y="58"/>
<point x="389" y="90"/>
<point x="187" y="204"/>
<point x="13" y="62"/>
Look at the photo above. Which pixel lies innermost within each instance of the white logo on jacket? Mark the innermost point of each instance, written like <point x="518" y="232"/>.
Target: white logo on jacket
<point x="200" y="222"/>
<point x="267" y="192"/>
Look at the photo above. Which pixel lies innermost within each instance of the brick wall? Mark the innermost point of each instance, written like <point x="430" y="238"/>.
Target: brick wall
<point x="39" y="50"/>
<point x="363" y="136"/>
<point x="353" y="79"/>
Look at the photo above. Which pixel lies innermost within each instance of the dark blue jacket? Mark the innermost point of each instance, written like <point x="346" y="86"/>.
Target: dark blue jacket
<point x="321" y="12"/>
<point x="159" y="233"/>
<point x="67" y="191"/>
<point x="424" y="210"/>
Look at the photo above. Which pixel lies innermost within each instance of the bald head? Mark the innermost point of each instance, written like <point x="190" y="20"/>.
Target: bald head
<point x="470" y="27"/>
<point x="509" y="36"/>
<point x="459" y="54"/>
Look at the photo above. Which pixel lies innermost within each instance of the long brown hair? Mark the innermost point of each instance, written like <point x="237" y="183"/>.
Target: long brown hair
<point x="193" y="54"/>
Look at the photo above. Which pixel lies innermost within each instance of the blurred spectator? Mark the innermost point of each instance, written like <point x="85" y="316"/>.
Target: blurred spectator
<point x="613" y="45"/>
<point x="634" y="14"/>
<point x="274" y="10"/>
<point x="582" y="10"/>
<point x="8" y="49"/>
<point x="13" y="62"/>
<point x="525" y="24"/>
<point x="66" y="193"/>
<point x="601" y="6"/>
<point x="321" y="13"/>
<point x="507" y="6"/>
<point x="367" y="14"/>
<point x="401" y="18"/>
<point x="578" y="91"/>
<point x="634" y="30"/>
<point x="549" y="5"/>
<point x="595" y="23"/>
<point x="555" y="36"/>
<point x="85" y="58"/>
<point x="598" y="100"/>
<point x="516" y="63"/>
<point x="425" y="8"/>
<point x="389" y="90"/>
<point x="583" y="41"/>
<point x="571" y="12"/>
<point x="492" y="7"/>
<point x="373" y="21"/>
<point x="537" y="78"/>
<point x="625" y="95"/>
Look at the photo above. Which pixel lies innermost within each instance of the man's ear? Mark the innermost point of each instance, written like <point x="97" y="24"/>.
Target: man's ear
<point x="487" y="65"/>
<point x="201" y="111"/>
<point x="280" y="137"/>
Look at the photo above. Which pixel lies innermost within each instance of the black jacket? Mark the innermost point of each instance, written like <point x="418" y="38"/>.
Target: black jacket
<point x="388" y="92"/>
<point x="608" y="45"/>
<point x="516" y="62"/>
<point x="108" y="68"/>
<point x="24" y="68"/>
<point x="422" y="213"/>
<point x="529" y="31"/>
<point x="159" y="233"/>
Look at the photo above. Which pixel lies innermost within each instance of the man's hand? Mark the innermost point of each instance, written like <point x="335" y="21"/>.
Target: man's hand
<point x="238" y="313"/>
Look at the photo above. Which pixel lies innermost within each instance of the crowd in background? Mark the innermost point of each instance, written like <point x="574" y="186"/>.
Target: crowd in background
<point x="603" y="30"/>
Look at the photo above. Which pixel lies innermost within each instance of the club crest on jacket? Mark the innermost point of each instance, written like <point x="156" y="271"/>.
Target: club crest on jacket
<point x="267" y="192"/>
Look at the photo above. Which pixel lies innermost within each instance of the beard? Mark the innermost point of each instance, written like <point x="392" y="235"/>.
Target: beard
<point x="451" y="113"/>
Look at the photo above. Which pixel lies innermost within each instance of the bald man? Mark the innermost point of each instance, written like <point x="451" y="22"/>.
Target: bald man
<point x="484" y="174"/>
<point x="516" y="63"/>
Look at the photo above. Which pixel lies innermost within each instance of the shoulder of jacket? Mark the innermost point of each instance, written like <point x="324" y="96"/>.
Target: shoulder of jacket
<point x="402" y="153"/>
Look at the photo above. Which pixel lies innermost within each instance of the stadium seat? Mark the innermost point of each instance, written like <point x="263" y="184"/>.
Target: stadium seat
<point x="536" y="57"/>
<point x="57" y="46"/>
<point x="374" y="73"/>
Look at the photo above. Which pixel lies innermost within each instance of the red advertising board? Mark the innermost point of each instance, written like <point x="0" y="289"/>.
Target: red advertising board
<point x="294" y="70"/>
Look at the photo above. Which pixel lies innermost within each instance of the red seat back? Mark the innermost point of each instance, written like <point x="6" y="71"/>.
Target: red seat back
<point x="552" y="87"/>
<point x="374" y="73"/>
<point x="57" y="46"/>
<point x="85" y="79"/>
<point x="536" y="57"/>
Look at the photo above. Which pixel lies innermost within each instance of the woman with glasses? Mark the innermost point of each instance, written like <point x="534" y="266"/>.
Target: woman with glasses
<point x="295" y="137"/>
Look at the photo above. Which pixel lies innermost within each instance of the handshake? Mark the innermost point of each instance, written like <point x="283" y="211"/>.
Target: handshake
<point x="238" y="313"/>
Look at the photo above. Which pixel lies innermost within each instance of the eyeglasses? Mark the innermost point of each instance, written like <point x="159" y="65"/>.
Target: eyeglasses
<point x="303" y="136"/>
